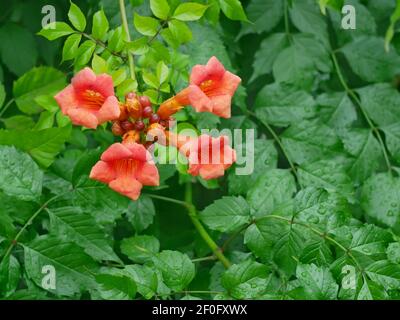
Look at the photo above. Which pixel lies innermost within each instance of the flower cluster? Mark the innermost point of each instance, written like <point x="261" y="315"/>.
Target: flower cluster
<point x="128" y="166"/>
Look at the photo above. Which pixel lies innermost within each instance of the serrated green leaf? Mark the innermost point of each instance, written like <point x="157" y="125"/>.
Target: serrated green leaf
<point x="71" y="265"/>
<point x="246" y="280"/>
<point x="176" y="268"/>
<point x="226" y="214"/>
<point x="141" y="213"/>
<point x="140" y="248"/>
<point x="70" y="225"/>
<point x="281" y="105"/>
<point x="20" y="176"/>
<point x="113" y="287"/>
<point x="36" y="82"/>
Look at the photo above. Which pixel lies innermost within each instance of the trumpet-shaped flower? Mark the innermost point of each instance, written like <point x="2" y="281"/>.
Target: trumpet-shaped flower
<point x="211" y="89"/>
<point x="89" y="100"/>
<point x="126" y="168"/>
<point x="208" y="157"/>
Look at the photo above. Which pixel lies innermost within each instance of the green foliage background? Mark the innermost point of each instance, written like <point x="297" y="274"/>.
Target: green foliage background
<point x="324" y="197"/>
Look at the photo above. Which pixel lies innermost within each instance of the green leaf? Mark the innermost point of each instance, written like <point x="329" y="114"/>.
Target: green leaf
<point x="318" y="207"/>
<point x="317" y="282"/>
<point x="42" y="145"/>
<point x="162" y="72"/>
<point x="99" y="65"/>
<point x="9" y="275"/>
<point x="189" y="11"/>
<point x="336" y="110"/>
<point x="247" y="280"/>
<point x="292" y="66"/>
<point x="114" y="287"/>
<point x="380" y="199"/>
<point x="328" y="174"/>
<point x="365" y="148"/>
<point x="391" y="30"/>
<point x="76" y="17"/>
<point x="318" y="253"/>
<point x="104" y="204"/>
<point x="146" y="25"/>
<point x="385" y="273"/>
<point x="265" y="157"/>
<point x="264" y="15"/>
<point x="145" y="278"/>
<point x="233" y="9"/>
<point x="70" y="48"/>
<point x="116" y="40"/>
<point x="180" y="31"/>
<point x="160" y="8"/>
<point x="72" y="266"/>
<point x="20" y="177"/>
<point x="19" y="122"/>
<point x="70" y="225"/>
<point x="374" y="97"/>
<point x="274" y="239"/>
<point x="281" y="105"/>
<point x="55" y="30"/>
<point x="226" y="214"/>
<point x="138" y="46"/>
<point x="272" y="189"/>
<point x="176" y="268"/>
<point x="306" y="17"/>
<point x="371" y="241"/>
<point x="368" y="59"/>
<point x="269" y="50"/>
<point x="100" y="25"/>
<point x="36" y="82"/>
<point x="18" y="49"/>
<point x="84" y="54"/>
<point x="140" y="249"/>
<point x="309" y="141"/>
<point x="392" y="134"/>
<point x="393" y="252"/>
<point x="141" y="213"/>
<point x="334" y="4"/>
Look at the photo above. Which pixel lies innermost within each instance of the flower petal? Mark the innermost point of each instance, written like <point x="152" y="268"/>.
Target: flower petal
<point x="148" y="175"/>
<point x="215" y="68"/>
<point x="198" y="75"/>
<point x="211" y="171"/>
<point x="66" y="99"/>
<point x="127" y="186"/>
<point x="84" y="79"/>
<point x="109" y="110"/>
<point x="222" y="105"/>
<point x="83" y="117"/>
<point x="199" y="100"/>
<point x="116" y="151"/>
<point x="138" y="152"/>
<point x="102" y="172"/>
<point x="104" y="85"/>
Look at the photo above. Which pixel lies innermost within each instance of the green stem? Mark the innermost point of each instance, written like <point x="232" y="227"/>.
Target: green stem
<point x="201" y="230"/>
<point x="278" y="141"/>
<point x="9" y="103"/>
<point x="127" y="37"/>
<point x="351" y="93"/>
<point x="102" y="44"/>
<point x="27" y="223"/>
<point x="154" y="196"/>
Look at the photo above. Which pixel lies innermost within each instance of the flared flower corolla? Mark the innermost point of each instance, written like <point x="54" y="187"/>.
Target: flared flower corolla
<point x="89" y="100"/>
